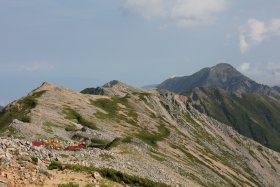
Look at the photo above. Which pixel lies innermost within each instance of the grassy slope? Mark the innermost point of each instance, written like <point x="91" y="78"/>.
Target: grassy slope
<point x="112" y="108"/>
<point x="252" y="115"/>
<point x="20" y="111"/>
<point x="110" y="174"/>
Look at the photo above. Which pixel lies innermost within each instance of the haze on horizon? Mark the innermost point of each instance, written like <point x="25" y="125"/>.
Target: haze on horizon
<point x="80" y="44"/>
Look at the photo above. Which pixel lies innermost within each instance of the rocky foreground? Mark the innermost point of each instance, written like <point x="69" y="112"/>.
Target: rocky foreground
<point x="23" y="165"/>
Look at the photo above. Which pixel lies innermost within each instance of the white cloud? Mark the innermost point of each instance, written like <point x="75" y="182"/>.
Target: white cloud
<point x="27" y="67"/>
<point x="243" y="45"/>
<point x="146" y="8"/>
<point x="265" y="73"/>
<point x="244" y="67"/>
<point x="255" y="32"/>
<point x="184" y="13"/>
<point x="35" y="66"/>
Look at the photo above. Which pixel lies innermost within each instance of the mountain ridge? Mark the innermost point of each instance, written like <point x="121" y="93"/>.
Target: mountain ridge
<point x="222" y="76"/>
<point x="111" y="88"/>
<point x="160" y="136"/>
<point x="222" y="93"/>
<point x="251" y="114"/>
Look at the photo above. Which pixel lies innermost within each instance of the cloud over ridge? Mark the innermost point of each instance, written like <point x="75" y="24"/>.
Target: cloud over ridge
<point x="256" y="31"/>
<point x="37" y="66"/>
<point x="265" y="73"/>
<point x="185" y="13"/>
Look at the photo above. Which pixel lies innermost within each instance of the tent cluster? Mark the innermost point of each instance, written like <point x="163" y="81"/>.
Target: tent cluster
<point x="59" y="144"/>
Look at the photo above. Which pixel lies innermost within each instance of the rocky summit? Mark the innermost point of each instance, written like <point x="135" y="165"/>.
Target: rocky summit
<point x="222" y="76"/>
<point x="133" y="137"/>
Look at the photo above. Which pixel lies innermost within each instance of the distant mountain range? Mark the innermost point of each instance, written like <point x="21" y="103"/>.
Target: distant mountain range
<point x="220" y="76"/>
<point x="1" y="107"/>
<point x="276" y="88"/>
<point x="150" y="86"/>
<point x="232" y="98"/>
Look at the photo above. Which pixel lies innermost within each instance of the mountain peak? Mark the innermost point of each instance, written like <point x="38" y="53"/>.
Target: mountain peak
<point x="118" y="86"/>
<point x="112" y="88"/>
<point x="113" y="83"/>
<point x="45" y="86"/>
<point x="223" y="65"/>
<point x="223" y="76"/>
<point x="225" y="68"/>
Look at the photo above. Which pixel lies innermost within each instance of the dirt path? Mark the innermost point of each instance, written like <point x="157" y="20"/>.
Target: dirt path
<point x="64" y="177"/>
<point x="14" y="179"/>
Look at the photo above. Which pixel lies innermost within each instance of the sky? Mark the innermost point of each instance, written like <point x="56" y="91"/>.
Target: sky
<point x="80" y="44"/>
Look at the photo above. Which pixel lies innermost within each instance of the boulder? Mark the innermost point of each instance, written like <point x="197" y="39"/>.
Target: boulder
<point x="44" y="172"/>
<point x="24" y="158"/>
<point x="96" y="175"/>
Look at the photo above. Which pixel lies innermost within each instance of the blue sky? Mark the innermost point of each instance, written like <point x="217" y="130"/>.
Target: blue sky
<point x="87" y="43"/>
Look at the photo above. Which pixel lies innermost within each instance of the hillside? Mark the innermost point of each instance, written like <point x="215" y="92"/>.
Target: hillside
<point x="253" y="115"/>
<point x="220" y="76"/>
<point x="233" y="99"/>
<point x="155" y="135"/>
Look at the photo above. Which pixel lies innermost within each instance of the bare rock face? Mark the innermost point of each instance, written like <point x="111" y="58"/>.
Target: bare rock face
<point x="46" y="86"/>
<point x="156" y="135"/>
<point x="112" y="88"/>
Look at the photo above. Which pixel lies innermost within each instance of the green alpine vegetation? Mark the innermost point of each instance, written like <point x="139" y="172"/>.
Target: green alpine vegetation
<point x="253" y="115"/>
<point x="19" y="111"/>
<point x="74" y="115"/>
<point x="153" y="138"/>
<point x="110" y="174"/>
<point x="234" y="99"/>
<point x="113" y="106"/>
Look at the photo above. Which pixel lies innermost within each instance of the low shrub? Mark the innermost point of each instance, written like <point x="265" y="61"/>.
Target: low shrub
<point x="70" y="184"/>
<point x="80" y="168"/>
<point x="115" y="176"/>
<point x="152" y="138"/>
<point x="55" y="165"/>
<point x="120" y="177"/>
<point x="64" y="155"/>
<point x="34" y="160"/>
<point x="113" y="143"/>
<point x="72" y="114"/>
<point x="127" y="139"/>
<point x="112" y="108"/>
<point x="70" y="128"/>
